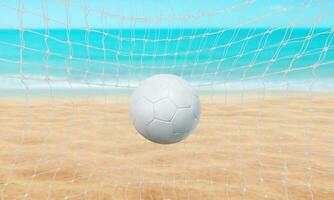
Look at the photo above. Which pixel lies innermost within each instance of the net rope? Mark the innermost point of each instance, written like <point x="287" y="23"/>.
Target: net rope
<point x="233" y="67"/>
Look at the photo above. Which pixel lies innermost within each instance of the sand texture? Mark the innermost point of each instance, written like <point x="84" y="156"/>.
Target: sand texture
<point x="250" y="146"/>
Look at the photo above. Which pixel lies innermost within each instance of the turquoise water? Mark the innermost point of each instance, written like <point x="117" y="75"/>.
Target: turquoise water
<point x="235" y="59"/>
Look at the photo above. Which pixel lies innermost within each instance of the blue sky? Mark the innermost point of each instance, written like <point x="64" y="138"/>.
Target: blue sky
<point x="173" y="13"/>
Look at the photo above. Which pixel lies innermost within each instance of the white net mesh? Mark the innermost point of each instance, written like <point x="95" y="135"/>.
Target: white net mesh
<point x="265" y="72"/>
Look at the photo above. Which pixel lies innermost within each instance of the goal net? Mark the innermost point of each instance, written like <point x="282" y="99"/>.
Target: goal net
<point x="264" y="71"/>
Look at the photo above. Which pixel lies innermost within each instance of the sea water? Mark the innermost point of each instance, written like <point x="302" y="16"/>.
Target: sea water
<point x="213" y="59"/>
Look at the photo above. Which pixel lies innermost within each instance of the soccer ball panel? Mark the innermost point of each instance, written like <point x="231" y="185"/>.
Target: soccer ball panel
<point x="140" y="127"/>
<point x="180" y="136"/>
<point x="142" y="111"/>
<point x="186" y="85"/>
<point x="196" y="107"/>
<point x="164" y="110"/>
<point x="154" y="92"/>
<point x="180" y="95"/>
<point x="160" y="132"/>
<point x="183" y="122"/>
<point x="195" y="123"/>
<point x="135" y="97"/>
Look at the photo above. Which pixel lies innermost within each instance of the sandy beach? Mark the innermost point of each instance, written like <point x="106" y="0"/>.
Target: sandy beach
<point x="250" y="146"/>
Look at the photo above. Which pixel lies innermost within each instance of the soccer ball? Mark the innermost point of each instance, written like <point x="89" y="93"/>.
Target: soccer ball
<point x="165" y="109"/>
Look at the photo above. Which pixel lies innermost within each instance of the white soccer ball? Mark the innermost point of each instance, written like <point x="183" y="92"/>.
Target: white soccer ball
<point x="165" y="109"/>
